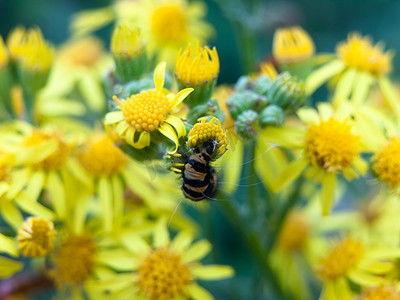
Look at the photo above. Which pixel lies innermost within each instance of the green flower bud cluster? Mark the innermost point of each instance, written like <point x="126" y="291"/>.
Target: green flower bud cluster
<point x="264" y="102"/>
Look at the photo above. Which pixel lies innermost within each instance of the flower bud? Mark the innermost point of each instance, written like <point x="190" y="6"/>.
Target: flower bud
<point x="242" y="101"/>
<point x="128" y="49"/>
<point x="287" y="92"/>
<point x="272" y="115"/>
<point x="247" y="124"/>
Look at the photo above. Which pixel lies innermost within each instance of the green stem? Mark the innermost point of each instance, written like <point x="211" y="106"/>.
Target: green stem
<point x="251" y="181"/>
<point x="256" y="247"/>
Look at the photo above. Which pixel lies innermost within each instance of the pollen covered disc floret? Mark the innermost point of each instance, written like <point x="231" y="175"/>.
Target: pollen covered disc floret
<point x="163" y="275"/>
<point x="331" y="145"/>
<point x="196" y="67"/>
<point x="202" y="132"/>
<point x="340" y="259"/>
<point x="358" y="52"/>
<point x="36" y="237"/>
<point x="386" y="163"/>
<point x="145" y="111"/>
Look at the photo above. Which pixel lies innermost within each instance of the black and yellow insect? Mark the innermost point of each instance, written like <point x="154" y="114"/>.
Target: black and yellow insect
<point x="199" y="178"/>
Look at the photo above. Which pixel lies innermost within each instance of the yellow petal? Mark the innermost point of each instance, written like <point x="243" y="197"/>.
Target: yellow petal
<point x="390" y="94"/>
<point x="231" y="163"/>
<point x="106" y="202"/>
<point x="212" y="272"/>
<point x="92" y="92"/>
<point x="134" y="243"/>
<point x="11" y="213"/>
<point x="180" y="97"/>
<point x="168" y="131"/>
<point x="289" y="174"/>
<point x="36" y="153"/>
<point x="161" y="234"/>
<point x="308" y="115"/>
<point x="287" y="137"/>
<point x="344" y="87"/>
<point x="118" y="196"/>
<point x="33" y="208"/>
<point x="325" y="110"/>
<point x="182" y="241"/>
<point x="56" y="190"/>
<point x="365" y="279"/>
<point x="376" y="267"/>
<point x="323" y="74"/>
<point x="176" y="123"/>
<point x="159" y="76"/>
<point x="113" y="117"/>
<point x="362" y="88"/>
<point x="197" y="251"/>
<point x="198" y="293"/>
<point x="116" y="259"/>
<point x="8" y="245"/>
<point x="35" y="185"/>
<point x="328" y="189"/>
<point x="144" y="140"/>
<point x="8" y="267"/>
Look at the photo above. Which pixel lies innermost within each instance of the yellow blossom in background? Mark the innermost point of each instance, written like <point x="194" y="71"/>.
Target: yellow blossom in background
<point x="36" y="237"/>
<point x="351" y="259"/>
<point x="4" y="56"/>
<point x="329" y="146"/>
<point x="165" y="259"/>
<point x="389" y="292"/>
<point x="141" y="114"/>
<point x="167" y="26"/>
<point x="127" y="41"/>
<point x="292" y="45"/>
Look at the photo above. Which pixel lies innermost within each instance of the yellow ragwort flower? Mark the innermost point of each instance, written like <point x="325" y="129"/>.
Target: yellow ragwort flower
<point x="36" y="237"/>
<point x="359" y="53"/>
<point x="150" y="110"/>
<point x="197" y="67"/>
<point x="269" y="70"/>
<point x="331" y="145"/>
<point x="84" y="53"/>
<point x="292" y="45"/>
<point x="203" y="132"/>
<point x="386" y="163"/>
<point x="127" y="41"/>
<point x="16" y="38"/>
<point x="73" y="260"/>
<point x="294" y="233"/>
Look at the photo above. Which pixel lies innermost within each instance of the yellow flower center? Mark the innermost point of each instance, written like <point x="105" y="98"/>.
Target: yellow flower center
<point x="74" y="260"/>
<point x="56" y="159"/>
<point x="100" y="156"/>
<point x="386" y="163"/>
<point x="163" y="276"/>
<point x="295" y="232"/>
<point x="145" y="111"/>
<point x="197" y="67"/>
<point x="358" y="52"/>
<point x="203" y="132"/>
<point x="83" y="53"/>
<point x="169" y="25"/>
<point x="381" y="293"/>
<point x="126" y="41"/>
<point x="340" y="259"/>
<point x="292" y="45"/>
<point x="331" y="145"/>
<point x="36" y="237"/>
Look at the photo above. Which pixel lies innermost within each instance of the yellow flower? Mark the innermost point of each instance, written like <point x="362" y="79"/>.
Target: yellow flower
<point x="351" y="259"/>
<point x="330" y="145"/>
<point x="167" y="26"/>
<point x="292" y="45"/>
<point x="385" y="163"/>
<point x="203" y="132"/>
<point x="81" y="64"/>
<point x="126" y="41"/>
<point x="30" y="48"/>
<point x="359" y="53"/>
<point x="356" y="68"/>
<point x="36" y="237"/>
<point x="197" y="67"/>
<point x="174" y="264"/>
<point x="268" y="69"/>
<point x="150" y="110"/>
